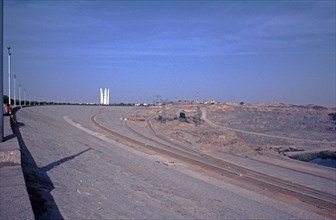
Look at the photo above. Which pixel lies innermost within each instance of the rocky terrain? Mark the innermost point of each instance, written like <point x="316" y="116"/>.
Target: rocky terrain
<point x="254" y="129"/>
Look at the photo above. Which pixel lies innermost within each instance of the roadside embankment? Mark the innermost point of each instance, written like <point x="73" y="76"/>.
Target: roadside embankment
<point x="14" y="199"/>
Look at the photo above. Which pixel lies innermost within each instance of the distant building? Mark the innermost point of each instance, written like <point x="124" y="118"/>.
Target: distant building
<point x="141" y="104"/>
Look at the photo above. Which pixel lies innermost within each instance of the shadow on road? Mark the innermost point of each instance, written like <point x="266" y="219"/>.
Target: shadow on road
<point x="39" y="185"/>
<point x="8" y="137"/>
<point x="59" y="162"/>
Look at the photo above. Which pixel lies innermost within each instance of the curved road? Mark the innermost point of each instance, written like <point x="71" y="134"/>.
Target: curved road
<point x="73" y="171"/>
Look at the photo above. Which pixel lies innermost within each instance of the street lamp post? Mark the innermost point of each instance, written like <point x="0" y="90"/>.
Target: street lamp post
<point x="9" y="56"/>
<point x="14" y="91"/>
<point x="1" y="76"/>
<point x="24" y="97"/>
<point x="20" y="94"/>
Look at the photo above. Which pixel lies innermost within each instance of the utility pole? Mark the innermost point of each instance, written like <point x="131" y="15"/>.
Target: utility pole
<point x="164" y="110"/>
<point x="198" y="116"/>
<point x="9" y="56"/>
<point x="157" y="97"/>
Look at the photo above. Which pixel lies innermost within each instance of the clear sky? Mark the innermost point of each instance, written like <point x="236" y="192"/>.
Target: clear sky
<point x="229" y="51"/>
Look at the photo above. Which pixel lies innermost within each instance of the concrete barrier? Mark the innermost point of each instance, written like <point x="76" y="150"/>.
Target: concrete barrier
<point x="14" y="199"/>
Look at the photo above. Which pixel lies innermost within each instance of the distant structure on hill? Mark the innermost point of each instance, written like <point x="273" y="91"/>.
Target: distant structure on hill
<point x="104" y="96"/>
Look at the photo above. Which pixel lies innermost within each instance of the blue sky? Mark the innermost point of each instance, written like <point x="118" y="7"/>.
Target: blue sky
<point x="229" y="51"/>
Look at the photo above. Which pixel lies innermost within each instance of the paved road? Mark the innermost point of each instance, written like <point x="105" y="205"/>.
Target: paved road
<point x="74" y="173"/>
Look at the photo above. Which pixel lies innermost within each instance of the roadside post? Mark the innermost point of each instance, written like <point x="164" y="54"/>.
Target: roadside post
<point x="1" y="74"/>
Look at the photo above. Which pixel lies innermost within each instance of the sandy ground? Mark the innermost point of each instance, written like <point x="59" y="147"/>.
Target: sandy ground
<point x="75" y="175"/>
<point x="249" y="130"/>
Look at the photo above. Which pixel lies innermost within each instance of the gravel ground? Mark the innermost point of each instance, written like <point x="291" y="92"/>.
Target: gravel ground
<point x="304" y="122"/>
<point x="74" y="175"/>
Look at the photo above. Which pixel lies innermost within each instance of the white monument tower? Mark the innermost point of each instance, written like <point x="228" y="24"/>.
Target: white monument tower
<point x="104" y="96"/>
<point x="101" y="96"/>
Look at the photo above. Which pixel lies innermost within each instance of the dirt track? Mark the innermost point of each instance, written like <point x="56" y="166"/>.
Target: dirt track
<point x="90" y="175"/>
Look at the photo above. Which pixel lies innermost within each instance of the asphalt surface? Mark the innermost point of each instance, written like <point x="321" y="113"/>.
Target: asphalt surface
<point x="74" y="174"/>
<point x="14" y="199"/>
